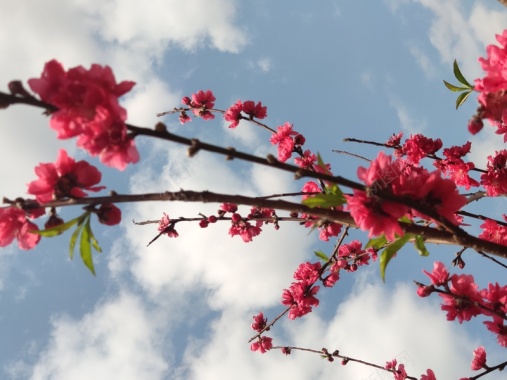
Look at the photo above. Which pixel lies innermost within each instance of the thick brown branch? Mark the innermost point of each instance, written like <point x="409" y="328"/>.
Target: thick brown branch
<point x="432" y="235"/>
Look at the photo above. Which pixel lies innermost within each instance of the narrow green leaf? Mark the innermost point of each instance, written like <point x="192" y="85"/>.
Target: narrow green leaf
<point x="388" y="253"/>
<point x="455" y="88"/>
<point x="322" y="256"/>
<point x="420" y="247"/>
<point x="321" y="163"/>
<point x="377" y="243"/>
<point x="57" y="230"/>
<point x="459" y="76"/>
<point x="73" y="240"/>
<point x="85" y="247"/>
<point x="324" y="200"/>
<point x="405" y="219"/>
<point x="461" y="98"/>
<point x="95" y="243"/>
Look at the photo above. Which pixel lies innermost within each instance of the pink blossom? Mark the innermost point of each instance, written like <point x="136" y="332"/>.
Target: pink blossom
<point x="492" y="88"/>
<point x="439" y="276"/>
<point x="425" y="291"/>
<point x="497" y="326"/>
<point x="15" y="225"/>
<point x="165" y="226"/>
<point x="475" y="125"/>
<point x="376" y="216"/>
<point x="245" y="230"/>
<point x="458" y="170"/>
<point x="307" y="161"/>
<point x="461" y="302"/>
<point x="479" y="360"/>
<point x="233" y="114"/>
<point x="262" y="345"/>
<point x="184" y="118"/>
<point x="164" y="222"/>
<point x="399" y="373"/>
<point x="331" y="279"/>
<point x="259" y="322"/>
<point x="300" y="299"/>
<point x="311" y="188"/>
<point x="495" y="179"/>
<point x="228" y="207"/>
<point x="395" y="140"/>
<point x="329" y="229"/>
<point x="439" y="194"/>
<point x="418" y="146"/>
<point x="429" y="375"/>
<point x="65" y="178"/>
<point x="253" y="110"/>
<point x="202" y="102"/>
<point x="308" y="272"/>
<point x="381" y="172"/>
<point x="88" y="107"/>
<point x="496" y="297"/>
<point x="285" y="142"/>
<point x="492" y="231"/>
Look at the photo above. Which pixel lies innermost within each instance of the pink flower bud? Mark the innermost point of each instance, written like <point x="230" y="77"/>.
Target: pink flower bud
<point x="109" y="214"/>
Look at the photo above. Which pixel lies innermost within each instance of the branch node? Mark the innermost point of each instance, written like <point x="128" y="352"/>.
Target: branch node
<point x="194" y="147"/>
<point x="160" y="128"/>
<point x="271" y="159"/>
<point x="230" y="157"/>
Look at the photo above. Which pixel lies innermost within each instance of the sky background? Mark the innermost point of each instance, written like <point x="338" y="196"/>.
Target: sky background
<point x="182" y="308"/>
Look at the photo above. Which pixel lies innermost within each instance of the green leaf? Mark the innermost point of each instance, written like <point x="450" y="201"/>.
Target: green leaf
<point x="321" y="163"/>
<point x="455" y="88"/>
<point x="388" y="253"/>
<point x="73" y="239"/>
<point x="332" y="196"/>
<point x="57" y="230"/>
<point x="377" y="243"/>
<point x="322" y="256"/>
<point x="405" y="219"/>
<point x="324" y="200"/>
<point x="459" y="76"/>
<point x="461" y="98"/>
<point x="95" y="243"/>
<point x="420" y="247"/>
<point x="85" y="247"/>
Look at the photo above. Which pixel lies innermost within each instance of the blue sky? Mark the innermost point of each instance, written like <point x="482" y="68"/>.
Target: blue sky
<point x="182" y="308"/>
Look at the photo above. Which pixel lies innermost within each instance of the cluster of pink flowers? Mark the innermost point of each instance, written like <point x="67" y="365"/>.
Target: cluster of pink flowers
<point x="300" y="296"/>
<point x="287" y="140"/>
<point x="14" y="224"/>
<point x="399" y="373"/>
<point x="416" y="147"/>
<point x="200" y="104"/>
<point x="87" y="102"/>
<point x="493" y="231"/>
<point x="462" y="299"/>
<point x="455" y="167"/>
<point x="495" y="179"/>
<point x="252" y="110"/>
<point x="65" y="178"/>
<point x="378" y="216"/>
<point x="493" y="88"/>
<point x="165" y="226"/>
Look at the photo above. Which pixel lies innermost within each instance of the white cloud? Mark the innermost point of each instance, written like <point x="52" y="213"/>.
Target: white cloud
<point x="373" y="324"/>
<point x="264" y="64"/>
<point x="128" y="37"/>
<point x="408" y="119"/>
<point x="118" y="340"/>
<point x="422" y="60"/>
<point x="155" y="25"/>
<point x="209" y="257"/>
